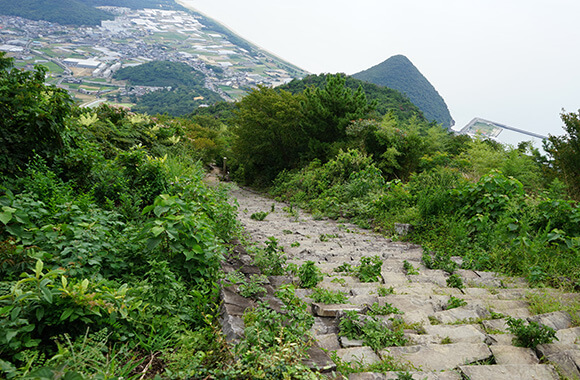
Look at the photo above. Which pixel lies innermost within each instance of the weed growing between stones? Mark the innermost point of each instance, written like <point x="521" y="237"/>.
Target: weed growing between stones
<point x="309" y="275"/>
<point x="455" y="281"/>
<point x="253" y="288"/>
<point x="328" y="296"/>
<point x="383" y="291"/>
<point x="371" y="330"/>
<point x="369" y="269"/>
<point x="409" y="268"/>
<point x="530" y="335"/>
<point x="259" y="216"/>
<point x="386" y="309"/>
<point x="439" y="261"/>
<point x="454" y="302"/>
<point x="388" y="364"/>
<point x="271" y="259"/>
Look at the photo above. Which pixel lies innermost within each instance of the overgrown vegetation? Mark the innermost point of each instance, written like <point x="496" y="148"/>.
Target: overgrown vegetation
<point x="110" y="243"/>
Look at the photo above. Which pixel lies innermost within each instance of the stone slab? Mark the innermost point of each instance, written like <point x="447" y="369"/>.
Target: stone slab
<point x="460" y="314"/>
<point x="510" y="372"/>
<point x="568" y="363"/>
<point x="457" y="333"/>
<point x="328" y="341"/>
<point x="513" y="355"/>
<point x="363" y="300"/>
<point x="232" y="327"/>
<point x="513" y="308"/>
<point x="495" y="325"/>
<point x="558" y="320"/>
<point x="499" y="339"/>
<point x="478" y="293"/>
<point x="332" y="310"/>
<point x="394" y="278"/>
<point x="363" y="355"/>
<point x="569" y="336"/>
<point x="318" y="359"/>
<point x="438" y="279"/>
<point x="323" y="326"/>
<point x="348" y="343"/>
<point x="446" y="375"/>
<point x="437" y="357"/>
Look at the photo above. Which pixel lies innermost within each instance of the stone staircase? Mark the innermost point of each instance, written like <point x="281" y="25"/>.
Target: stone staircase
<point x="466" y="342"/>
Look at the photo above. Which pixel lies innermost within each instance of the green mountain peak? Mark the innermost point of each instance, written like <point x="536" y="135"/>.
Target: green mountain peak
<point x="399" y="73"/>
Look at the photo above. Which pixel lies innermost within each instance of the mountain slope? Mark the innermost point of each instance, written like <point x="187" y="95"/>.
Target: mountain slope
<point x="400" y="74"/>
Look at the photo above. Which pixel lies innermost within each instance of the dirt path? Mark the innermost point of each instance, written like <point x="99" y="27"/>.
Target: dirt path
<point x="442" y="342"/>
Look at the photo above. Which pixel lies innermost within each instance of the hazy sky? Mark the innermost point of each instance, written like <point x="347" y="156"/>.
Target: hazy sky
<point x="511" y="61"/>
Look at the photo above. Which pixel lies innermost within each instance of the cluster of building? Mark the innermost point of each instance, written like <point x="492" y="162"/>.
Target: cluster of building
<point x="132" y="38"/>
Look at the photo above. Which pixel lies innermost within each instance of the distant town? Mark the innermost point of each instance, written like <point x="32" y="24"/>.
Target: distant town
<point x="84" y="59"/>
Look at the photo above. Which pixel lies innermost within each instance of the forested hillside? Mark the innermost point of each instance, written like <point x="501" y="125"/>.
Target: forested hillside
<point x="66" y="12"/>
<point x="399" y="73"/>
<point x="75" y="12"/>
<point x="187" y="91"/>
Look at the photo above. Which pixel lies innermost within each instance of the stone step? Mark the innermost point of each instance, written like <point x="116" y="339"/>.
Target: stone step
<point x="438" y="357"/>
<point x="513" y="355"/>
<point x="363" y="355"/>
<point x="445" y="375"/>
<point x="463" y="314"/>
<point x="457" y="333"/>
<point x="332" y="310"/>
<point x="558" y="320"/>
<point x="565" y="356"/>
<point x="510" y="372"/>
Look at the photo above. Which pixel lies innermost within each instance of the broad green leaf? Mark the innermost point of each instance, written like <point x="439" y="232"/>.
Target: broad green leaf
<point x="157" y="230"/>
<point x="84" y="285"/>
<point x="153" y="243"/>
<point x="5" y="217"/>
<point x="46" y="293"/>
<point x="38" y="268"/>
<point x="10" y="334"/>
<point x="39" y="313"/>
<point x="65" y="314"/>
<point x="72" y="376"/>
<point x="15" y="313"/>
<point x="159" y="210"/>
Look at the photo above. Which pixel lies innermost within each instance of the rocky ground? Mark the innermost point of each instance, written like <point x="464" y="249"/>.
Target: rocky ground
<point x="466" y="342"/>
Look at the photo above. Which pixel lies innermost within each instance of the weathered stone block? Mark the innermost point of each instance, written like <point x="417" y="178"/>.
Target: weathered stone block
<point x="510" y="372"/>
<point x="513" y="355"/>
<point x="437" y="357"/>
